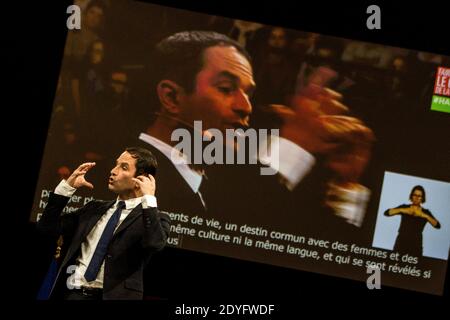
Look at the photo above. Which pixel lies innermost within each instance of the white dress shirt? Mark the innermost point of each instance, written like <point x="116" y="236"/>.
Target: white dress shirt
<point x="77" y="280"/>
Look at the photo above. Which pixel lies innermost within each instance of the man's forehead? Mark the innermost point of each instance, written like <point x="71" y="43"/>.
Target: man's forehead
<point x="228" y="58"/>
<point x="125" y="157"/>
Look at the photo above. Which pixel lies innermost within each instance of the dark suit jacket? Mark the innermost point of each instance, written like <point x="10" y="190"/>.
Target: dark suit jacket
<point x="143" y="232"/>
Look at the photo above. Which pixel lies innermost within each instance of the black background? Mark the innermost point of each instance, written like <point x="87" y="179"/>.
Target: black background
<point x="38" y="33"/>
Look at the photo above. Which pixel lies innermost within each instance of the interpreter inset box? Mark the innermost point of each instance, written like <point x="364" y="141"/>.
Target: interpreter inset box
<point x="397" y="194"/>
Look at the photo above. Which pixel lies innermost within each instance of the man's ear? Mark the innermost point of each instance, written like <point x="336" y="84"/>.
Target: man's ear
<point x="170" y="94"/>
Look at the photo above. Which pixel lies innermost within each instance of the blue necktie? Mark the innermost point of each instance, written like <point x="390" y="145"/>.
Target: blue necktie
<point x="102" y="246"/>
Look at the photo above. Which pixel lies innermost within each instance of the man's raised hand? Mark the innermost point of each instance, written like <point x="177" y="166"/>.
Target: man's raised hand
<point x="77" y="179"/>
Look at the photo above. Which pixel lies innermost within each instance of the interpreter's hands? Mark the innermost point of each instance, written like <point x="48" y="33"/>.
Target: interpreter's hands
<point x="146" y="184"/>
<point x="77" y="179"/>
<point x="417" y="212"/>
<point x="414" y="211"/>
<point x="408" y="211"/>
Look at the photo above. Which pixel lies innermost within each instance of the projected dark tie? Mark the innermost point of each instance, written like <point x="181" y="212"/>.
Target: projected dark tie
<point x="102" y="246"/>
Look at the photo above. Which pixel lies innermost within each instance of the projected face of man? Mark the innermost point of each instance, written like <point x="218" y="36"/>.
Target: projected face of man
<point x="222" y="89"/>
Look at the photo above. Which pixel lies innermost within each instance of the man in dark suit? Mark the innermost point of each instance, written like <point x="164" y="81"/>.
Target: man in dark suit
<point x="109" y="242"/>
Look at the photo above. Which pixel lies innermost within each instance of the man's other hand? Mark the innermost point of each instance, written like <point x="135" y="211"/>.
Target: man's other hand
<point x="146" y="184"/>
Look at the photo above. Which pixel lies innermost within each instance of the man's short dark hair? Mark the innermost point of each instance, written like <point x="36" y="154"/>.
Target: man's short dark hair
<point x="145" y="161"/>
<point x="420" y="188"/>
<point x="179" y="57"/>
